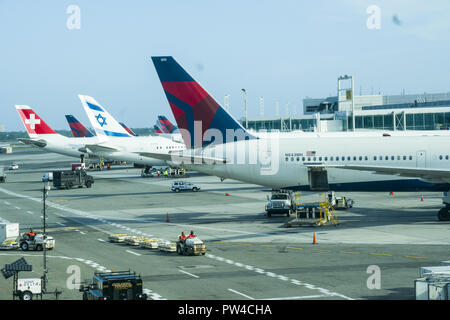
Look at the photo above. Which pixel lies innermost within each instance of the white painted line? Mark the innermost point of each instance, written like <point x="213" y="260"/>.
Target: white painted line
<point x="18" y="208"/>
<point x="192" y="275"/>
<point x="129" y="251"/>
<point x="240" y="293"/>
<point x="101" y="240"/>
<point x="61" y="224"/>
<point x="298" y="298"/>
<point x="7" y="203"/>
<point x="82" y="232"/>
<point x="29" y="212"/>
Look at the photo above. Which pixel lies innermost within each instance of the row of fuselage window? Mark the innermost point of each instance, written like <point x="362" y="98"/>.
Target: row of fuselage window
<point x="354" y="158"/>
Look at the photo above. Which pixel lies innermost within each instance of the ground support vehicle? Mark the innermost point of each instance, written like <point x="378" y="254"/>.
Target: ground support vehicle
<point x="178" y="186"/>
<point x="36" y="242"/>
<point x="167" y="246"/>
<point x="66" y="179"/>
<point x="191" y="246"/>
<point x="123" y="285"/>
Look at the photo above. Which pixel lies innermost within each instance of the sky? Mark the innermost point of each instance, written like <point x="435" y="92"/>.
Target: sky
<point x="283" y="51"/>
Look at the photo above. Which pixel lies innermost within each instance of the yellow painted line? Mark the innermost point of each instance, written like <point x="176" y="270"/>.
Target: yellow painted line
<point x="245" y="244"/>
<point x="295" y="248"/>
<point x="351" y="252"/>
<point x="59" y="200"/>
<point x="381" y="254"/>
<point x="415" y="257"/>
<point x="220" y="242"/>
<point x="272" y="246"/>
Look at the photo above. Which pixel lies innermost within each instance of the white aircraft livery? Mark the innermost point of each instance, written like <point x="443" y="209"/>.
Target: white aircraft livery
<point x="220" y="146"/>
<point x="115" y="142"/>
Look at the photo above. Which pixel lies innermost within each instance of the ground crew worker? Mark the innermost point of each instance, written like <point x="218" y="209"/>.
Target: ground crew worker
<point x="182" y="237"/>
<point x="191" y="235"/>
<point x="31" y="234"/>
<point x="165" y="173"/>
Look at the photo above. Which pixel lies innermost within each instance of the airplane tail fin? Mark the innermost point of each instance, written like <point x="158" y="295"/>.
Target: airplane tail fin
<point x="34" y="124"/>
<point x="157" y="130"/>
<point x="128" y="129"/>
<point x="78" y="130"/>
<point x="167" y="126"/>
<point x="104" y="123"/>
<point x="192" y="105"/>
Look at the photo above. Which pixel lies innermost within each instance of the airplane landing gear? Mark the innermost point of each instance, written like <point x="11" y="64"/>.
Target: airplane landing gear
<point x="444" y="214"/>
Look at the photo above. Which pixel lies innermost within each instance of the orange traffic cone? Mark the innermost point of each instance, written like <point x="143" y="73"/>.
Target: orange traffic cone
<point x="167" y="217"/>
<point x="314" y="238"/>
<point x="392" y="193"/>
<point x="421" y="198"/>
<point x="227" y="194"/>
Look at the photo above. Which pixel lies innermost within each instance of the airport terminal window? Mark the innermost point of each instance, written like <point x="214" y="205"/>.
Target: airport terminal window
<point x="331" y="159"/>
<point x="287" y="159"/>
<point x="446" y="157"/>
<point x="360" y="158"/>
<point x="292" y="158"/>
<point x="343" y="158"/>
<point x="337" y="158"/>
<point x="381" y="157"/>
<point x="440" y="157"/>
<point x="410" y="157"/>
<point x="303" y="159"/>
<point x="314" y="159"/>
<point x="298" y="158"/>
<point x="375" y="158"/>
<point x="392" y="158"/>
<point x="386" y="158"/>
<point x="320" y="158"/>
<point x="326" y="158"/>
<point x="366" y="158"/>
<point x="404" y="157"/>
<point x="354" y="158"/>
<point x="309" y="158"/>
<point x="398" y="158"/>
<point x="349" y="158"/>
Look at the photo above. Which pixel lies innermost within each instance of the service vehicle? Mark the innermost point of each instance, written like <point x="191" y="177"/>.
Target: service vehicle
<point x="36" y="242"/>
<point x="149" y="244"/>
<point x="167" y="246"/>
<point x="14" y="166"/>
<point x="134" y="240"/>
<point x="121" y="285"/>
<point x="118" y="237"/>
<point x="26" y="288"/>
<point x="339" y="203"/>
<point x="66" y="179"/>
<point x="48" y="176"/>
<point x="9" y="232"/>
<point x="280" y="202"/>
<point x="178" y="186"/>
<point x="191" y="246"/>
<point x="2" y="174"/>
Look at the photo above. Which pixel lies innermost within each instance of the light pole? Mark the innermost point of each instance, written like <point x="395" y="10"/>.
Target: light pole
<point x="245" y="108"/>
<point x="346" y="77"/>
<point x="45" y="191"/>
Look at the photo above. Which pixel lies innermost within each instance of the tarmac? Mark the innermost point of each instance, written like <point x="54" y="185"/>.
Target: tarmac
<point x="250" y="256"/>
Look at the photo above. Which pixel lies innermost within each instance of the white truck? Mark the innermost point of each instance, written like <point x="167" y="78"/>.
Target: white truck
<point x="280" y="202"/>
<point x="36" y="242"/>
<point x="9" y="232"/>
<point x="26" y="288"/>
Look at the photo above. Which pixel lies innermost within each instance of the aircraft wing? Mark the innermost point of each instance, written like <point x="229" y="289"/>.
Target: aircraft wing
<point x="183" y="158"/>
<point x="98" y="148"/>
<point x="41" y="143"/>
<point x="429" y="174"/>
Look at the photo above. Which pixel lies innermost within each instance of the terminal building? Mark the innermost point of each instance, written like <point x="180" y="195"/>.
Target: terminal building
<point x="367" y="112"/>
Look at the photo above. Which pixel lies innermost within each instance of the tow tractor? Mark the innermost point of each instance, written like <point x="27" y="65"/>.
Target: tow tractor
<point x="339" y="203"/>
<point x="36" y="242"/>
<point x="191" y="246"/>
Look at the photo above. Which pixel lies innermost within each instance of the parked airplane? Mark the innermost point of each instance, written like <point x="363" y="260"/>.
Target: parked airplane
<point x="43" y="136"/>
<point x="157" y="130"/>
<point x="116" y="143"/>
<point x="78" y="130"/>
<point x="220" y="146"/>
<point x="166" y="125"/>
<point x="131" y="132"/>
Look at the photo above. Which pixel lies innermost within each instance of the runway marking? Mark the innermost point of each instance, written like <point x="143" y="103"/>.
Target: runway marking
<point x="220" y="242"/>
<point x="241" y="294"/>
<point x="380" y="254"/>
<point x="320" y="250"/>
<point x="18" y="208"/>
<point x="82" y="232"/>
<point x="101" y="240"/>
<point x="29" y="212"/>
<point x="350" y="252"/>
<point x="245" y="244"/>
<point x="279" y="277"/>
<point x="7" y="203"/>
<point x="192" y="275"/>
<point x="298" y="298"/>
<point x="61" y="224"/>
<point x="135" y="253"/>
<point x="268" y="245"/>
<point x="415" y="257"/>
<point x="153" y="295"/>
<point x="294" y="248"/>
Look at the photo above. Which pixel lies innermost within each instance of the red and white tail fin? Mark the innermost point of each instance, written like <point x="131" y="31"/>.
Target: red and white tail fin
<point x="34" y="125"/>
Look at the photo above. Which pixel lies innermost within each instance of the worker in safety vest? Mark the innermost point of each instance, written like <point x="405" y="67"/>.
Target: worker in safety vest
<point x="182" y="237"/>
<point x="192" y="235"/>
<point x="31" y="234"/>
